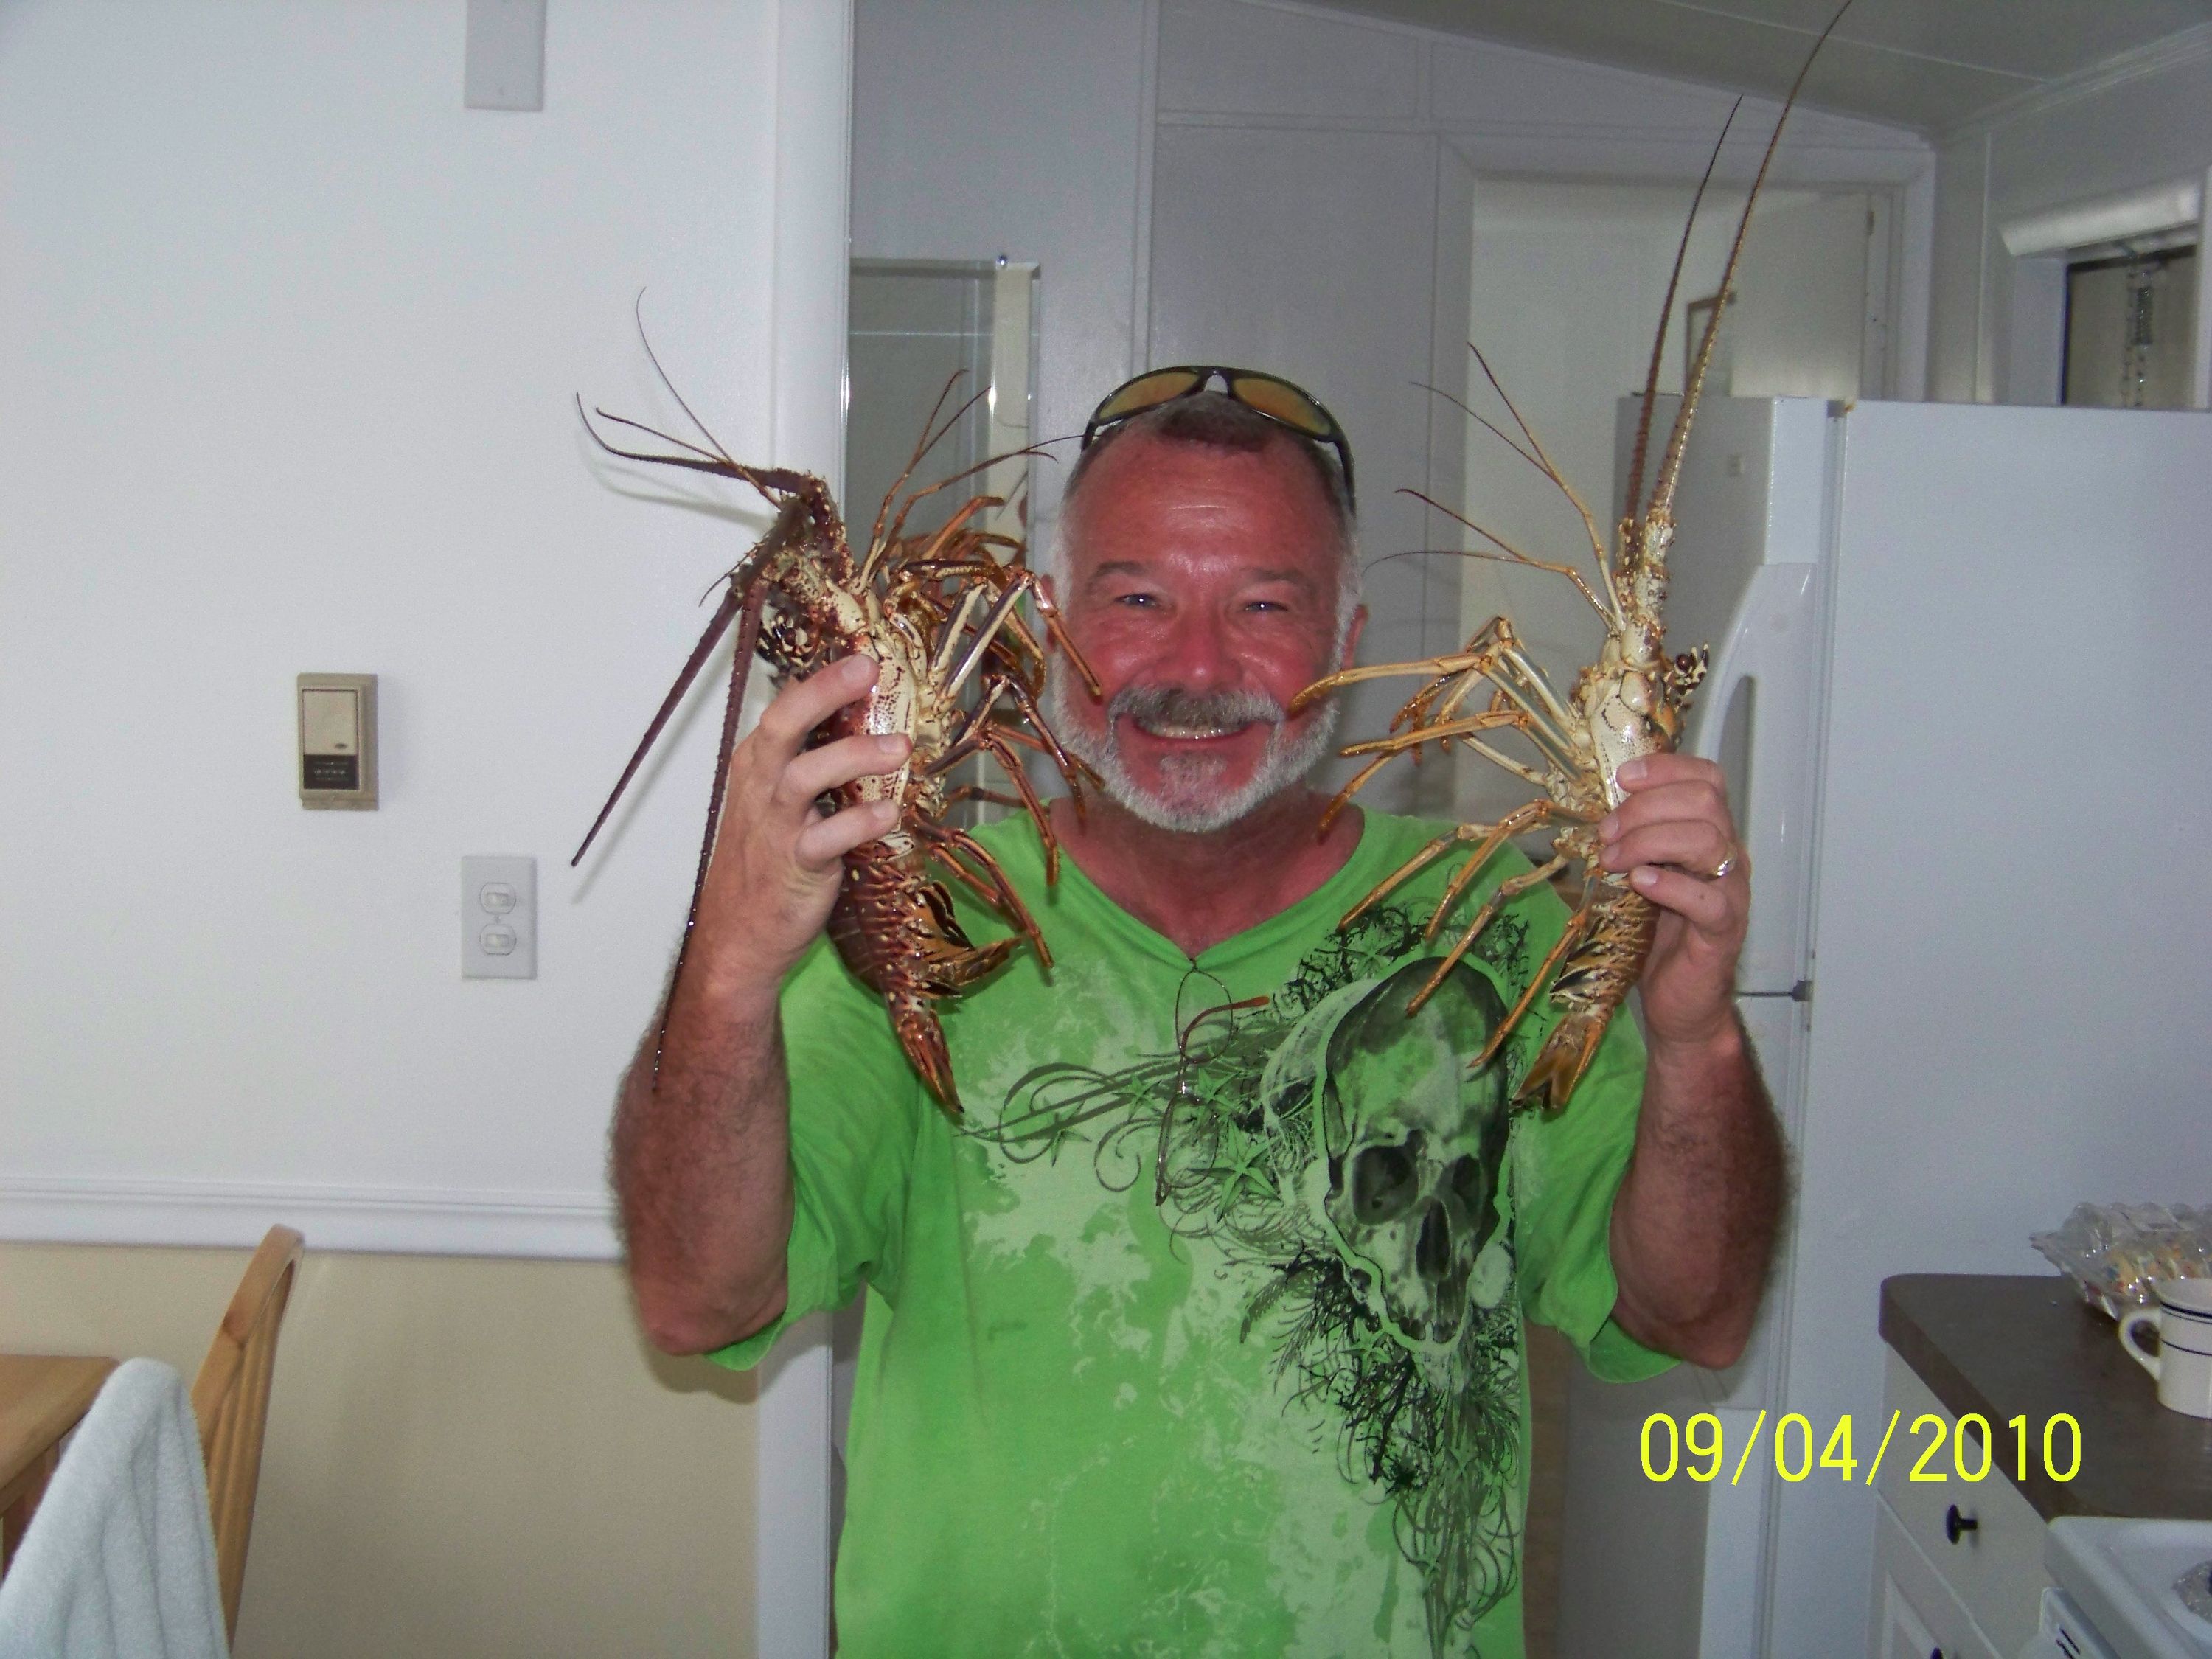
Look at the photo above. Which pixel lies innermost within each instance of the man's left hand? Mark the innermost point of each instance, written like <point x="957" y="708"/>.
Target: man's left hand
<point x="1671" y="834"/>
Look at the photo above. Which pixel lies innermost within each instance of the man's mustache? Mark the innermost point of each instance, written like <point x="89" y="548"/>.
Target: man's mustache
<point x="1174" y="705"/>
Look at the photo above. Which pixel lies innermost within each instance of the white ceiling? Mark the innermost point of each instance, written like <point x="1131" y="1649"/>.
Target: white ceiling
<point x="1927" y="64"/>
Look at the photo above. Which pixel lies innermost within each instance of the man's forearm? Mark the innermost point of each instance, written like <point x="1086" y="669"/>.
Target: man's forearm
<point x="702" y="1170"/>
<point x="1694" y="1225"/>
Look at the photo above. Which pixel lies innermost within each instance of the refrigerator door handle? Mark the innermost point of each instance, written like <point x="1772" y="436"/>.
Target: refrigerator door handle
<point x="1770" y="644"/>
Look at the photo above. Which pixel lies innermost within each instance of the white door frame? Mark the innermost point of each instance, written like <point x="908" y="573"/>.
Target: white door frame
<point x="812" y="241"/>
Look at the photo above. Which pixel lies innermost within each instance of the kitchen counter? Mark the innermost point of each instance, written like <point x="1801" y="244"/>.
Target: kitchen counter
<point x="2008" y="1347"/>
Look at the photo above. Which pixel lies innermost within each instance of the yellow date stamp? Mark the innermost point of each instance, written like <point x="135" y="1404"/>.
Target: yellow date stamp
<point x="1695" y="1448"/>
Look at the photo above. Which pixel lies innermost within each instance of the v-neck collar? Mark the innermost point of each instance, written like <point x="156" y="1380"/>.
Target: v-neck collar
<point x="1356" y="874"/>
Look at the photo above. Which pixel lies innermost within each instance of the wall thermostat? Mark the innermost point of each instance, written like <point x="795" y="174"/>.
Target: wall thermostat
<point x="338" y="741"/>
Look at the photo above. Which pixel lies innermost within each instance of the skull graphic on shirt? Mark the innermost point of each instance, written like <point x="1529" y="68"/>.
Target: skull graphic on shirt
<point x="1414" y="1145"/>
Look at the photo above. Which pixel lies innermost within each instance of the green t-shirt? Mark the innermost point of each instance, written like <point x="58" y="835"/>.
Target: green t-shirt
<point x="1271" y="1402"/>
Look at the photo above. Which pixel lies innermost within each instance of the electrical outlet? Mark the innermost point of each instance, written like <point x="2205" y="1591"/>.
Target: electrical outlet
<point x="498" y="917"/>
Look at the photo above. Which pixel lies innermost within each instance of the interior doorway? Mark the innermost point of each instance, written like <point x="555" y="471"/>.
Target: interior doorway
<point x="932" y="344"/>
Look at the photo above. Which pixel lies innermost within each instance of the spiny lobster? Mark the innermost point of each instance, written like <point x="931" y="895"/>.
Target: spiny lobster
<point x="1631" y="701"/>
<point x="938" y="612"/>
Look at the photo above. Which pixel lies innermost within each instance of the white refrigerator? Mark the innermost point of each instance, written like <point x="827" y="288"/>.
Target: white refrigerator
<point x="1962" y="684"/>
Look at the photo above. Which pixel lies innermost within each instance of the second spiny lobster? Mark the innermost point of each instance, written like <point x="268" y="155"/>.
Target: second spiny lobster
<point x="1629" y="702"/>
<point x="939" y="613"/>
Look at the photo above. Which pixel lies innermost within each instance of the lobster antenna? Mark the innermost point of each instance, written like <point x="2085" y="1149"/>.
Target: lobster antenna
<point x="1498" y="431"/>
<point x="1545" y="460"/>
<point x="741" y="667"/>
<point x="739" y="598"/>
<point x="879" y="539"/>
<point x="771" y="481"/>
<point x="1597" y="544"/>
<point x="732" y="604"/>
<point x="1662" y="492"/>
<point x="1512" y="554"/>
<point x="637" y="309"/>
<point x="932" y="435"/>
<point x="984" y="465"/>
<point x="653" y="432"/>
<point x="1666" y="315"/>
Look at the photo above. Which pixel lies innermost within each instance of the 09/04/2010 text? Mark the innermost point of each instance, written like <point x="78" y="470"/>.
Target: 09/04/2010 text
<point x="1695" y="1448"/>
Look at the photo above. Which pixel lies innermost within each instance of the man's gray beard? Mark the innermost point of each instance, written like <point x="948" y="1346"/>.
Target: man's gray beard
<point x="1191" y="802"/>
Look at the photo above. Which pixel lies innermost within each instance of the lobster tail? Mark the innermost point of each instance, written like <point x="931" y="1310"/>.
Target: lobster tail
<point x="923" y="1039"/>
<point x="1560" y="1063"/>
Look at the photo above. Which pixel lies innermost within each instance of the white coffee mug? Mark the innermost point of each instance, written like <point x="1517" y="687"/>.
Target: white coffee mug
<point x="2182" y="1316"/>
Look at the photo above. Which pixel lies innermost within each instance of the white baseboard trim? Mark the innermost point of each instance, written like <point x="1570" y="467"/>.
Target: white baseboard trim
<point x="576" y="1226"/>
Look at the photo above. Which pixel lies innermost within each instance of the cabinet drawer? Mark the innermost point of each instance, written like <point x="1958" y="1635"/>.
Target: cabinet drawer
<point x="1915" y="1614"/>
<point x="1995" y="1569"/>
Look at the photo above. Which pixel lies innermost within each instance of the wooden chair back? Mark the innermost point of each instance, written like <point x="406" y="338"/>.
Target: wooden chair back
<point x="230" y="1401"/>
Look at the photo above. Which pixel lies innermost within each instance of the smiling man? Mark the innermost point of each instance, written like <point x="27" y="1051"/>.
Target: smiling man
<point x="1202" y="1333"/>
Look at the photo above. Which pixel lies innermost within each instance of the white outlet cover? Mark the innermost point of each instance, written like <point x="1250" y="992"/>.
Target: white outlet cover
<point x="498" y="917"/>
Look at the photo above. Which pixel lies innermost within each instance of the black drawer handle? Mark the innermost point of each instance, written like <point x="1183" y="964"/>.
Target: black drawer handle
<point x="1954" y="1525"/>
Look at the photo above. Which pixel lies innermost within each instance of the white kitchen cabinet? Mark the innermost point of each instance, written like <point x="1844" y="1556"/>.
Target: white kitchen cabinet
<point x="1958" y="1564"/>
<point x="1916" y="1614"/>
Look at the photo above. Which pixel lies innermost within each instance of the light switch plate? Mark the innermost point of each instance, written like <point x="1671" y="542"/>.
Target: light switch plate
<point x="503" y="62"/>
<point x="498" y="917"/>
<point x="335" y="762"/>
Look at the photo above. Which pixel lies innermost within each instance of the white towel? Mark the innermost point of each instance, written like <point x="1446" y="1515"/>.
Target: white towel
<point x="120" y="1559"/>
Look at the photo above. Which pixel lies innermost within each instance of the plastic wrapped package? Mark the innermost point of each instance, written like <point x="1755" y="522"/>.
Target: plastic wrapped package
<point x="2117" y="1252"/>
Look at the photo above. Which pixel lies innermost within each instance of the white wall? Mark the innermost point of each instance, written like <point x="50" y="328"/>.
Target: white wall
<point x="2143" y="119"/>
<point x="289" y="339"/>
<point x="983" y="127"/>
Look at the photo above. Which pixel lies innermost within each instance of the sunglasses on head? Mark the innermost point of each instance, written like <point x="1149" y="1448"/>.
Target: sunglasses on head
<point x="1269" y="395"/>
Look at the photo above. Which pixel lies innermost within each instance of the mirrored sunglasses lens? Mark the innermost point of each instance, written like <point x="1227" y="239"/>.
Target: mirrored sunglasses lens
<point x="1145" y="392"/>
<point x="1285" y="403"/>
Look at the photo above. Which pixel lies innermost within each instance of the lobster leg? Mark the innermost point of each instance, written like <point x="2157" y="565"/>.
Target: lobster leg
<point x="1342" y="799"/>
<point x="1570" y="936"/>
<point x="1509" y="889"/>
<point x="1405" y="873"/>
<point x="1078" y="772"/>
<point x="982" y="735"/>
<point x="951" y="970"/>
<point x="960" y="842"/>
<point x="986" y="630"/>
<point x="1071" y="770"/>
<point x="968" y="878"/>
<point x="1010" y="763"/>
<point x="1513" y="823"/>
<point x="1510" y="719"/>
<point x="948" y="639"/>
<point x="976" y="792"/>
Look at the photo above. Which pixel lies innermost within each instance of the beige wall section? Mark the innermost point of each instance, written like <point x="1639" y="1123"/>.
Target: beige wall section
<point x="466" y="1456"/>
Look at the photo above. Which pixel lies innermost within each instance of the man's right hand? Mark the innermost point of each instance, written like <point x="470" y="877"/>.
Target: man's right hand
<point x="778" y="861"/>
<point x="702" y="1142"/>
